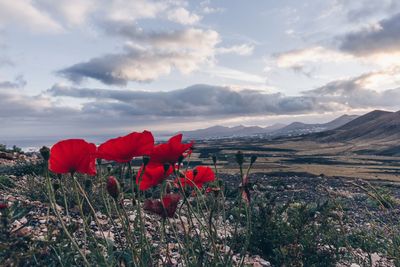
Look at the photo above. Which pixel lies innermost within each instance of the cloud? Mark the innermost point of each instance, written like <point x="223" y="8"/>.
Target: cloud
<point x="200" y="101"/>
<point x="357" y="92"/>
<point x="18" y="82"/>
<point x="108" y="110"/>
<point x="365" y="9"/>
<point x="121" y="10"/>
<point x="24" y="14"/>
<point x="157" y="54"/>
<point x="183" y="16"/>
<point x="194" y="101"/>
<point x="73" y="12"/>
<point x="233" y="74"/>
<point x="384" y="37"/>
<point x="242" y="50"/>
<point x="316" y="54"/>
<point x="206" y="8"/>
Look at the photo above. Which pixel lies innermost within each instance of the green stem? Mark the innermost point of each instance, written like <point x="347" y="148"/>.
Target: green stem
<point x="54" y="208"/>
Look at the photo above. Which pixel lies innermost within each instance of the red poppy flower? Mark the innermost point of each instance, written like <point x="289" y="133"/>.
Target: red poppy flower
<point x="3" y="206"/>
<point x="123" y="149"/>
<point x="153" y="175"/>
<point x="73" y="155"/>
<point x="165" y="208"/>
<point x="170" y="151"/>
<point x="113" y="187"/>
<point x="198" y="176"/>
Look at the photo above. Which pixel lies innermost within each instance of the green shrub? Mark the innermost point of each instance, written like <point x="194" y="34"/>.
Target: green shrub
<point x="6" y="182"/>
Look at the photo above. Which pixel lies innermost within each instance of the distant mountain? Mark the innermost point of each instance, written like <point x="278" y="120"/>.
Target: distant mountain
<point x="276" y="130"/>
<point x="237" y="131"/>
<point x="299" y="128"/>
<point x="377" y="125"/>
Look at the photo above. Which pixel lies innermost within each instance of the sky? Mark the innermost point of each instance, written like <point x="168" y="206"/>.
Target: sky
<point x="85" y="68"/>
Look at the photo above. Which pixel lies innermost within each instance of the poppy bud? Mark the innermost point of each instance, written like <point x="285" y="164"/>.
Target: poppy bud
<point x="214" y="159"/>
<point x="45" y="152"/>
<point x="146" y="160"/>
<point x="166" y="167"/>
<point x="253" y="159"/>
<point x="165" y="207"/>
<point x="239" y="158"/>
<point x="113" y="187"/>
<point x="109" y="167"/>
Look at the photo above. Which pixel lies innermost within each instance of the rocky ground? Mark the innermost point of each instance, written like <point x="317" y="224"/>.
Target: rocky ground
<point x="372" y="204"/>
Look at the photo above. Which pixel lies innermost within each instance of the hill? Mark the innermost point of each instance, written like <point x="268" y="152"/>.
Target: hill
<point x="299" y="128"/>
<point x="237" y="131"/>
<point x="276" y="130"/>
<point x="376" y="126"/>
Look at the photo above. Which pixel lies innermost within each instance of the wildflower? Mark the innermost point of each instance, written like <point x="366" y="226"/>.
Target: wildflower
<point x="198" y="176"/>
<point x="153" y="175"/>
<point x="214" y="159"/>
<point x="113" y="187"/>
<point x="171" y="151"/>
<point x="239" y="158"/>
<point x="253" y="159"/>
<point x="3" y="206"/>
<point x="165" y="208"/>
<point x="124" y="149"/>
<point x="73" y="155"/>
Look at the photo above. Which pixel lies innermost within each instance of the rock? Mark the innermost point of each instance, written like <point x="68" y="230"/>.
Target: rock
<point x="264" y="263"/>
<point x="7" y="156"/>
<point x="24" y="231"/>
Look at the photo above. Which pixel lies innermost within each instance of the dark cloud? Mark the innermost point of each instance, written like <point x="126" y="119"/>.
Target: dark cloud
<point x="106" y="111"/>
<point x="194" y="101"/>
<point x="147" y="55"/>
<point x="385" y="37"/>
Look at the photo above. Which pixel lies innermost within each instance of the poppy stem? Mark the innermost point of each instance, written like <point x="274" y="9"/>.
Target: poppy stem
<point x="52" y="201"/>
<point x="126" y="226"/>
<point x="64" y="197"/>
<point x="131" y="178"/>
<point x="77" y="188"/>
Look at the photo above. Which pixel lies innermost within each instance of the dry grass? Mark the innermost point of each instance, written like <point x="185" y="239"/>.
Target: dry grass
<point x="330" y="159"/>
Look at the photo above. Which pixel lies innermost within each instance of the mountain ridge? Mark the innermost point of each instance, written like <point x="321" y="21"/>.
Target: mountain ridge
<point x="275" y="130"/>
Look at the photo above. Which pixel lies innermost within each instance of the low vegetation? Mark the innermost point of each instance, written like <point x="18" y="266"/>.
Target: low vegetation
<point x="161" y="212"/>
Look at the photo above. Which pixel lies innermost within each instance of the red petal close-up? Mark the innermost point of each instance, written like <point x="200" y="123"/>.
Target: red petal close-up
<point x="165" y="208"/>
<point x="124" y="149"/>
<point x="153" y="175"/>
<point x="170" y="151"/>
<point x="73" y="155"/>
<point x="204" y="175"/>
